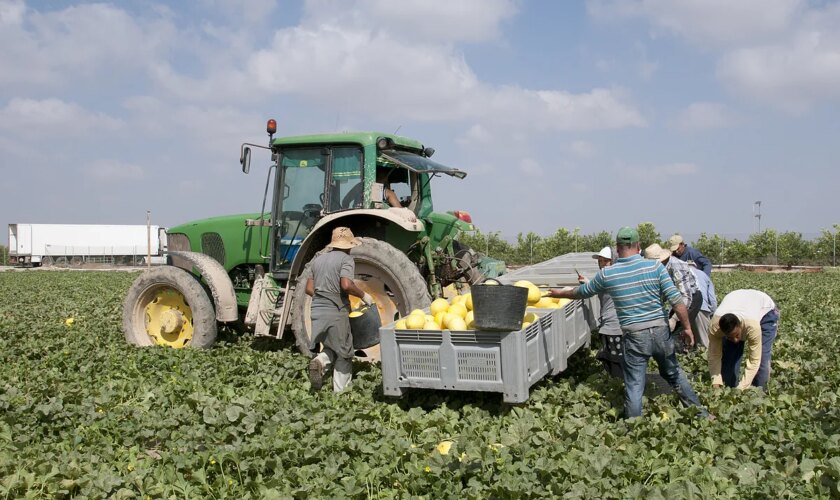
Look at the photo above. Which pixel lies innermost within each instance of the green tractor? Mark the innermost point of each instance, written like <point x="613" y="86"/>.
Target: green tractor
<point x="250" y="270"/>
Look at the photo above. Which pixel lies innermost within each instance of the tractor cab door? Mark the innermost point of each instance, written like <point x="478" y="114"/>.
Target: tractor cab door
<point x="313" y="181"/>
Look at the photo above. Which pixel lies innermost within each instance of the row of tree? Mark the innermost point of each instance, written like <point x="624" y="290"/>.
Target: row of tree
<point x="766" y="247"/>
<point x="4" y="255"/>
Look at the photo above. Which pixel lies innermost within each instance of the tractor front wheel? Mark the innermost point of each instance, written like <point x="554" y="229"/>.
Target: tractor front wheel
<point x="384" y="272"/>
<point x="168" y="306"/>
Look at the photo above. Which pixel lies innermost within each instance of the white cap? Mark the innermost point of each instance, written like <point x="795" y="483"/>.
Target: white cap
<point x="605" y="252"/>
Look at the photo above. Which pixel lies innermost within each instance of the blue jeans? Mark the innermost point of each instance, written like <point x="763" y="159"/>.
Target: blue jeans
<point x="730" y="363"/>
<point x="639" y="347"/>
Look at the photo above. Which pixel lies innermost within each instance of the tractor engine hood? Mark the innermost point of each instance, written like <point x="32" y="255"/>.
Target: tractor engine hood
<point x="418" y="164"/>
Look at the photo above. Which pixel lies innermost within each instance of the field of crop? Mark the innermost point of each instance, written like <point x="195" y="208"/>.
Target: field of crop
<point x="84" y="414"/>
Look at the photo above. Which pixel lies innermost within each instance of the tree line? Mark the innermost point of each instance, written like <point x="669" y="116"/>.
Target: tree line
<point x="766" y="247"/>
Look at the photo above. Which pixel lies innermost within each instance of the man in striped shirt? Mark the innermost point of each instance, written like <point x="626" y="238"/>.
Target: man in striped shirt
<point x="637" y="287"/>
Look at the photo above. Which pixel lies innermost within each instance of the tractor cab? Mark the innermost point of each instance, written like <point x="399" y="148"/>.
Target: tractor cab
<point x="317" y="176"/>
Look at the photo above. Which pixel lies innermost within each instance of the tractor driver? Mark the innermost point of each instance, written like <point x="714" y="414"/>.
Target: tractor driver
<point x="388" y="194"/>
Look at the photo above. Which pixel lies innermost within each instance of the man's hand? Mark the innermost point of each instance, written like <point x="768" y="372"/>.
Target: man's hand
<point x="717" y="386"/>
<point x="367" y="299"/>
<point x="688" y="336"/>
<point x="567" y="292"/>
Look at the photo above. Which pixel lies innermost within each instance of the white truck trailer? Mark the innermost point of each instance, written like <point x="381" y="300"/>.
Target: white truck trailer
<point x="78" y="244"/>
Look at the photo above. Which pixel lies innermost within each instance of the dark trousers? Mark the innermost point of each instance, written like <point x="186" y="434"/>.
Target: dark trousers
<point x="611" y="355"/>
<point x="733" y="352"/>
<point x="693" y="311"/>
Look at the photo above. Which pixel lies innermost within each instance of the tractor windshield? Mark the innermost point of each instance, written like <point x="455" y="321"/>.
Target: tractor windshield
<point x="418" y="164"/>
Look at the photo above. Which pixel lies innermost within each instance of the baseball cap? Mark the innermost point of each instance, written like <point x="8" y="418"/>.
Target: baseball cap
<point x="674" y="242"/>
<point x="627" y="235"/>
<point x="605" y="253"/>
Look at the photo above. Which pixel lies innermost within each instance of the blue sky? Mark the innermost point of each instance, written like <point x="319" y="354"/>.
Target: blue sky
<point x="591" y="114"/>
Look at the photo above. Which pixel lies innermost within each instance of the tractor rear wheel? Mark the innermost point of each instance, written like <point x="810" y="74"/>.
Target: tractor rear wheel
<point x="385" y="273"/>
<point x="168" y="306"/>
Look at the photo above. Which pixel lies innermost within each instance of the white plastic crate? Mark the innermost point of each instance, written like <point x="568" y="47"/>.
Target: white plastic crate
<point x="475" y="360"/>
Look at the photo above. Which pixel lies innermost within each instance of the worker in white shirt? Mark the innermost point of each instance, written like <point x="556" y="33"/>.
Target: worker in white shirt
<point x="744" y="318"/>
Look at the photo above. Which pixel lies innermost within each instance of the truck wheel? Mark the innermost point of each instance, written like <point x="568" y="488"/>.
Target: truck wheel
<point x="46" y="261"/>
<point x="385" y="273"/>
<point x="168" y="306"/>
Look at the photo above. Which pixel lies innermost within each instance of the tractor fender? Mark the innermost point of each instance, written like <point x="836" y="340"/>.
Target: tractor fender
<point x="224" y="298"/>
<point x="359" y="221"/>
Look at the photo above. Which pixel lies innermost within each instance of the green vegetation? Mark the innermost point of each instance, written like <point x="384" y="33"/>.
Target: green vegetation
<point x="84" y="414"/>
<point x="4" y="255"/>
<point x="766" y="247"/>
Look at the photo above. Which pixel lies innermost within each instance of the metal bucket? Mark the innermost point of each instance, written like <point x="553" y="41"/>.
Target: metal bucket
<point x="365" y="328"/>
<point x="499" y="307"/>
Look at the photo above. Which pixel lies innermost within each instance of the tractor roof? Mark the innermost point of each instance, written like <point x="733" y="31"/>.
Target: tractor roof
<point x="363" y="138"/>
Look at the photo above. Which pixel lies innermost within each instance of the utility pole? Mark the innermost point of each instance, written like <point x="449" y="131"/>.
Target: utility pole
<point x="757" y="213"/>
<point x="148" y="239"/>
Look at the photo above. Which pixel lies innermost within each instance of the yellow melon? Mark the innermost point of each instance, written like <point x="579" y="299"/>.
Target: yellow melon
<point x="415" y="321"/>
<point x="457" y="324"/>
<point x="439" y="317"/>
<point x="431" y="325"/>
<point x="458" y="309"/>
<point x="468" y="301"/>
<point x="356" y="314"/>
<point x="439" y="305"/>
<point x="529" y="318"/>
<point x="448" y="318"/>
<point x="544" y="302"/>
<point x="470" y="320"/>
<point x="534" y="293"/>
<point x="418" y="311"/>
<point x="400" y="325"/>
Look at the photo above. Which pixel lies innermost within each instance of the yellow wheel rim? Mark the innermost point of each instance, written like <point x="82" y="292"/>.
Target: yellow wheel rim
<point x="169" y="320"/>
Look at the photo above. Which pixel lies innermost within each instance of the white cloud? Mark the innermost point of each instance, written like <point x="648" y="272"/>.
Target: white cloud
<point x="39" y="117"/>
<point x="659" y="172"/>
<point x="718" y="22"/>
<point x="582" y="149"/>
<point x="791" y="76"/>
<point x="78" y="43"/>
<point x="424" y="20"/>
<point x="113" y="171"/>
<point x="475" y="135"/>
<point x="704" y="116"/>
<point x="245" y="11"/>
<point x="646" y="66"/>
<point x="11" y="12"/>
<point x="530" y="167"/>
<point x="367" y="72"/>
<point x="784" y="53"/>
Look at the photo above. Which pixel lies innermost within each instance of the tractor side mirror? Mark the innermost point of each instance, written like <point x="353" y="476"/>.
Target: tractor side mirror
<point x="245" y="159"/>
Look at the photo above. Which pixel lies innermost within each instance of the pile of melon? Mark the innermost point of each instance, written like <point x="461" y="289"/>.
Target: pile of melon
<point x="458" y="315"/>
<point x="536" y="298"/>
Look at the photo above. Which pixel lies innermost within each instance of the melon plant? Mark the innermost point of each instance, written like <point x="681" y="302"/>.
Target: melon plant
<point x="83" y="414"/>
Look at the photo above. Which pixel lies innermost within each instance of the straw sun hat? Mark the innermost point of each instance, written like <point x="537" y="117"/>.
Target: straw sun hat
<point x="343" y="239"/>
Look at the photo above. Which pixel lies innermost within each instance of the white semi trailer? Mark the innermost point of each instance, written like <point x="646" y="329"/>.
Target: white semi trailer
<point x="77" y="244"/>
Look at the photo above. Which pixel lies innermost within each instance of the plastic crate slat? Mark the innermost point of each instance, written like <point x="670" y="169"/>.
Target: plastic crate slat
<point x="420" y="363"/>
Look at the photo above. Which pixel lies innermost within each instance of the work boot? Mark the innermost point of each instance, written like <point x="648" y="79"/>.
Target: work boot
<point x="316" y="374"/>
